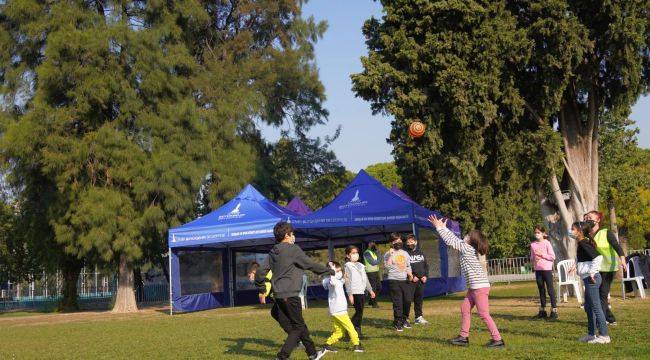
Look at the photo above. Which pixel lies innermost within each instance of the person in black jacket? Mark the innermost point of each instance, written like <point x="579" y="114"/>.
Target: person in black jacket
<point x="288" y="263"/>
<point x="420" y="269"/>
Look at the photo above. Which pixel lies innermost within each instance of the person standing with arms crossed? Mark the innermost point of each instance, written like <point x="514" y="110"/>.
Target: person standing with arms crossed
<point x="420" y="269"/>
<point x="371" y="259"/>
<point x="613" y="258"/>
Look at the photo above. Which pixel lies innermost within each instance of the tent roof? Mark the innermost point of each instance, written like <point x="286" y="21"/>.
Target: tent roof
<point x="249" y="216"/>
<point x="399" y="192"/>
<point x="364" y="207"/>
<point x="298" y="206"/>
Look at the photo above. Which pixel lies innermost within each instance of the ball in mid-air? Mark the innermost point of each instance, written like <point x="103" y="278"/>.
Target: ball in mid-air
<point x="416" y="129"/>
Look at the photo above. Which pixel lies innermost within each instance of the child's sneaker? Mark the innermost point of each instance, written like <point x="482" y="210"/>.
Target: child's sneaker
<point x="541" y="315"/>
<point x="317" y="356"/>
<point x="553" y="316"/>
<point x="329" y="348"/>
<point x="601" y="340"/>
<point x="358" y="348"/>
<point x="460" y="341"/>
<point x="399" y="328"/>
<point x="496" y="344"/>
<point x="586" y="338"/>
<point x="421" y="320"/>
<point x="407" y="325"/>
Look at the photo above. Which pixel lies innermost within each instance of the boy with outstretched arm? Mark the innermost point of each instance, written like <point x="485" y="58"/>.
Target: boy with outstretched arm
<point x="288" y="263"/>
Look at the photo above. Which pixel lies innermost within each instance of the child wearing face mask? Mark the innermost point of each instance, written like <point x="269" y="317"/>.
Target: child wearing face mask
<point x="478" y="285"/>
<point x="356" y="285"/>
<point x="542" y="257"/>
<point x="398" y="264"/>
<point x="338" y="308"/>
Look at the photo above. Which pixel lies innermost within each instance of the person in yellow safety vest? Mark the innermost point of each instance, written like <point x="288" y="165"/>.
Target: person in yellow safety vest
<point x="613" y="258"/>
<point x="371" y="260"/>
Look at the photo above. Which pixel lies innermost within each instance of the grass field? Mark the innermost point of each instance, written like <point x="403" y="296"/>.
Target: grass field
<point x="250" y="333"/>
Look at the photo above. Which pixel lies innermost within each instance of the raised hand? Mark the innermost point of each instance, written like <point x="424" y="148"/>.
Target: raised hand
<point x="437" y="223"/>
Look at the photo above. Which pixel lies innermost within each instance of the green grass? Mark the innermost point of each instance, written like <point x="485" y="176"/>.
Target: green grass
<point x="250" y="333"/>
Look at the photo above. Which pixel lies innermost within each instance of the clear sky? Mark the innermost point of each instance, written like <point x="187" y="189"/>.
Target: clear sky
<point x="363" y="136"/>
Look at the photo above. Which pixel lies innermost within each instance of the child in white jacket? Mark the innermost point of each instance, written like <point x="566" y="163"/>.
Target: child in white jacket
<point x="356" y="285"/>
<point x="338" y="308"/>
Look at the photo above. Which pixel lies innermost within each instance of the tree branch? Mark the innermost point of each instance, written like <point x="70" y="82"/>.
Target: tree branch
<point x="557" y="195"/>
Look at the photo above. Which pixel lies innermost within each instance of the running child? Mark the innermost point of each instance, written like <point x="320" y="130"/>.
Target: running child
<point x="478" y="286"/>
<point x="542" y="257"/>
<point x="356" y="285"/>
<point x="338" y="308"/>
<point x="288" y="263"/>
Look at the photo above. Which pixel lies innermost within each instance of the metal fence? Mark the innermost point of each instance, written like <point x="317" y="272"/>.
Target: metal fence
<point x="95" y="290"/>
<point x="520" y="268"/>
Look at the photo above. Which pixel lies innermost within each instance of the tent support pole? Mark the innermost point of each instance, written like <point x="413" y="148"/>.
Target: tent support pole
<point x="171" y="304"/>
<point x="414" y="231"/>
<point x="330" y="249"/>
<point x="231" y="275"/>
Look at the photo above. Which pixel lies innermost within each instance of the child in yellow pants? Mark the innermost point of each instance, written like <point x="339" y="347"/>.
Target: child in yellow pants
<point x="338" y="308"/>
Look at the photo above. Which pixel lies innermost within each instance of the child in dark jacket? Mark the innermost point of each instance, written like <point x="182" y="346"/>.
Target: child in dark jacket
<point x="288" y="262"/>
<point x="420" y="269"/>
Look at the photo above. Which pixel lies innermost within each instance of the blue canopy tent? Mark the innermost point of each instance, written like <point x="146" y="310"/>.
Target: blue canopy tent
<point x="368" y="211"/>
<point x="201" y="257"/>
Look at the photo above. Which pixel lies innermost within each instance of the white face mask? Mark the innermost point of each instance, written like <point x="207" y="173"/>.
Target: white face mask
<point x="338" y="275"/>
<point x="539" y="236"/>
<point x="354" y="257"/>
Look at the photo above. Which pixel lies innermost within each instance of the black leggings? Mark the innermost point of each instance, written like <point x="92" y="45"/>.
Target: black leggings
<point x="545" y="277"/>
<point x="359" y="302"/>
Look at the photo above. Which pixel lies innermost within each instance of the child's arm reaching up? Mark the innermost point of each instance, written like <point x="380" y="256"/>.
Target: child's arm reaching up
<point x="448" y="237"/>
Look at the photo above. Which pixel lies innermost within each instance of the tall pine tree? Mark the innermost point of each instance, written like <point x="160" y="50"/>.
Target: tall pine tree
<point x="512" y="93"/>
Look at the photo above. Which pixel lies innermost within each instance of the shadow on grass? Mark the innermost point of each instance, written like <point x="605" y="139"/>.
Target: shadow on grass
<point x="378" y="323"/>
<point x="532" y="320"/>
<point x="237" y="346"/>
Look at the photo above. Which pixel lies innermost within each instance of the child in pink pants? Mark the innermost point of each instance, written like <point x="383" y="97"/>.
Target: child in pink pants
<point x="477" y="282"/>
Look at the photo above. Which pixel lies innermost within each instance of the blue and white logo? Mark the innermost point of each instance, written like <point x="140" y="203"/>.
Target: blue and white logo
<point x="233" y="214"/>
<point x="354" y="202"/>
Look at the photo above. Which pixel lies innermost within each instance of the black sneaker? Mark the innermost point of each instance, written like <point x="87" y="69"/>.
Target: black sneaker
<point x="358" y="348"/>
<point x="399" y="328"/>
<point x="317" y="356"/>
<point x="496" y="344"/>
<point x="553" y="316"/>
<point x="541" y="315"/>
<point x="329" y="348"/>
<point x="407" y="325"/>
<point x="460" y="341"/>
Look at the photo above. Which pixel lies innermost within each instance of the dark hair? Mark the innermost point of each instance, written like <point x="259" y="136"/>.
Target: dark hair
<point x="478" y="241"/>
<point x="370" y="244"/>
<point x="585" y="229"/>
<point x="337" y="265"/>
<point x="349" y="249"/>
<point x="253" y="267"/>
<point x="395" y="236"/>
<point x="598" y="214"/>
<point x="411" y="236"/>
<point x="282" y="229"/>
<point x="541" y="229"/>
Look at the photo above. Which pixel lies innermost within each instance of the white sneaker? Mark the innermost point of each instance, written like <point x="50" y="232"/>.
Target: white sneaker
<point x="601" y="340"/>
<point x="586" y="338"/>
<point x="421" y="320"/>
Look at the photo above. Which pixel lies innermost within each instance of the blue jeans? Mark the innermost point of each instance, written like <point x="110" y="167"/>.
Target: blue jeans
<point x="595" y="315"/>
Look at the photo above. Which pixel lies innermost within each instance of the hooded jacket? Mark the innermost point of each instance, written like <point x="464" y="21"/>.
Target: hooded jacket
<point x="288" y="263"/>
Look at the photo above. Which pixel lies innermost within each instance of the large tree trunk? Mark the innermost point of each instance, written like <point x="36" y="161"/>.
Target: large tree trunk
<point x="580" y="161"/>
<point x="71" y="268"/>
<point x="125" y="298"/>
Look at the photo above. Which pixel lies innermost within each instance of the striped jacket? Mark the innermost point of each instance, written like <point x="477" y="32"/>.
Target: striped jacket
<point x="470" y="266"/>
